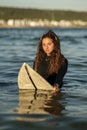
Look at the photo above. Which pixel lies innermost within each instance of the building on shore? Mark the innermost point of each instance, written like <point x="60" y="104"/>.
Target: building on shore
<point x="18" y="23"/>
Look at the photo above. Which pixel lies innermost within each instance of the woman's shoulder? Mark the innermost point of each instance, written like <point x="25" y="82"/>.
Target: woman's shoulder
<point x="65" y="63"/>
<point x="65" y="60"/>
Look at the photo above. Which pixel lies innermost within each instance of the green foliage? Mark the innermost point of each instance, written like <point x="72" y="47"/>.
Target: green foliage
<point x="21" y="13"/>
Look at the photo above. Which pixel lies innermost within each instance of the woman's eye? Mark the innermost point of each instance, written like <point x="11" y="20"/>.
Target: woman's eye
<point x="49" y="43"/>
<point x="43" y="44"/>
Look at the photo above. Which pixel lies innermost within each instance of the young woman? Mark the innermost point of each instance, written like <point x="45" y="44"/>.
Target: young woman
<point x="49" y="62"/>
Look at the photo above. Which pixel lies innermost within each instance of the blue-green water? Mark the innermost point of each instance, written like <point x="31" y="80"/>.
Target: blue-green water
<point x="30" y="110"/>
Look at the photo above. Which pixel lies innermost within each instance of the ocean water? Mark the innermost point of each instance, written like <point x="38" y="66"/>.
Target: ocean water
<point x="33" y="110"/>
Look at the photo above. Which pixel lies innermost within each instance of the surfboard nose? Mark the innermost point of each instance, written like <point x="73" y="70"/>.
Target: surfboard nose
<point x="30" y="79"/>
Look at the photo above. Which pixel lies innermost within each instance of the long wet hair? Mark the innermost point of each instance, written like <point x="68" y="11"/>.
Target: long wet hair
<point x="56" y="58"/>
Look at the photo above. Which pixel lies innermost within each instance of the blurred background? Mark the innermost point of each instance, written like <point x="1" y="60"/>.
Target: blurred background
<point x="33" y="13"/>
<point x="22" y="23"/>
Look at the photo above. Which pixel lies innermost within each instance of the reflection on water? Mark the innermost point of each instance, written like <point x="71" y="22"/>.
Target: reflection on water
<point x="39" y="102"/>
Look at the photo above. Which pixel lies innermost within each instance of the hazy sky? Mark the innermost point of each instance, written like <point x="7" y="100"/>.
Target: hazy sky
<point x="78" y="5"/>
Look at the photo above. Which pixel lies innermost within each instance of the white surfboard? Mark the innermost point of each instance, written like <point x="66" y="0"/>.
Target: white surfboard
<point x="30" y="79"/>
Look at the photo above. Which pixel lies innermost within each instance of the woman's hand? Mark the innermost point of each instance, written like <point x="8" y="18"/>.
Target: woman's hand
<point x="56" y="88"/>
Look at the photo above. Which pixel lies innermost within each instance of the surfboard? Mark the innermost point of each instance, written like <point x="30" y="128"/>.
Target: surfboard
<point x="30" y="79"/>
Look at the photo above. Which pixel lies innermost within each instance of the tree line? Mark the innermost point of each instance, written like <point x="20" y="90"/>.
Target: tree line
<point x="35" y="14"/>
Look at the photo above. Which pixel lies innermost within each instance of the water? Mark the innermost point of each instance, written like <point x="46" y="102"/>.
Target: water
<point x="30" y="110"/>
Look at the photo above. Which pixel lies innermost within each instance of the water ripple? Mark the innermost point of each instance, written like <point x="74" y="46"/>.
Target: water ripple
<point x="42" y="110"/>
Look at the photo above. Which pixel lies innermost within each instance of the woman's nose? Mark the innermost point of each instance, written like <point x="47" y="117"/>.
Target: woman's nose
<point x="47" y="47"/>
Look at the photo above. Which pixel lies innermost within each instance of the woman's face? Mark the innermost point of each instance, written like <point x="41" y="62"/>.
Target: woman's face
<point x="47" y="45"/>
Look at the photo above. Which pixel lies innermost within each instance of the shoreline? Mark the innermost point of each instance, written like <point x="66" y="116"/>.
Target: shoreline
<point x="20" y="27"/>
<point x="24" y="23"/>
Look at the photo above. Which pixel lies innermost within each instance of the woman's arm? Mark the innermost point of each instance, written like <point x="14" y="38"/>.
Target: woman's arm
<point x="61" y="73"/>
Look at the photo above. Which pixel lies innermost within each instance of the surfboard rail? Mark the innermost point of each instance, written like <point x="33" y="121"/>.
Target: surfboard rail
<point x="30" y="79"/>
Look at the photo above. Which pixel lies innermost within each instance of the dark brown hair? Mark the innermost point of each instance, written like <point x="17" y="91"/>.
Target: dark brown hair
<point x="56" y="58"/>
